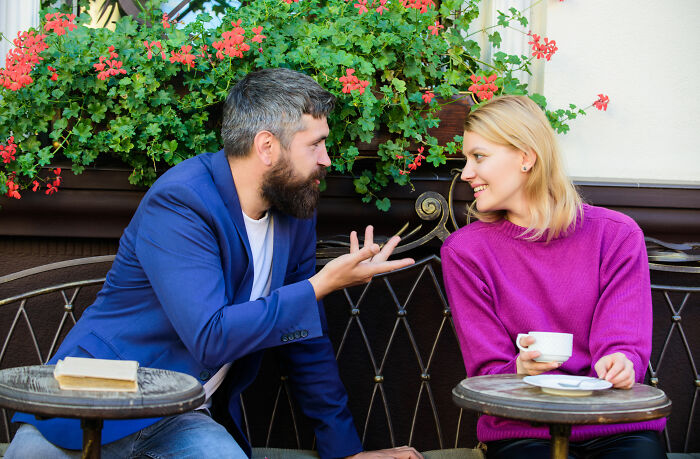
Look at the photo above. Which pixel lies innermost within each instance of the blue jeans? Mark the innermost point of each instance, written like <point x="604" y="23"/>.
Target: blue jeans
<point x="192" y="434"/>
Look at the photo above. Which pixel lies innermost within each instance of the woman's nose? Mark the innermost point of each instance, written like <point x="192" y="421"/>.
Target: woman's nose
<point x="467" y="172"/>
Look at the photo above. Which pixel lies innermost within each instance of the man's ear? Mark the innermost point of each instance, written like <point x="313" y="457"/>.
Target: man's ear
<point x="265" y="146"/>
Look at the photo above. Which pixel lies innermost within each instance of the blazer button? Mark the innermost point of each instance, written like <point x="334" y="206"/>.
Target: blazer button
<point x="304" y="333"/>
<point x="297" y="334"/>
<point x="285" y="338"/>
<point x="204" y="375"/>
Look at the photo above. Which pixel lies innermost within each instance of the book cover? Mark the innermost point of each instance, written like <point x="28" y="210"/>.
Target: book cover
<point x="79" y="373"/>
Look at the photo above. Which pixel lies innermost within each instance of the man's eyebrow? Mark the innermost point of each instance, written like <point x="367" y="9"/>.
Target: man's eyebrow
<point x="319" y="138"/>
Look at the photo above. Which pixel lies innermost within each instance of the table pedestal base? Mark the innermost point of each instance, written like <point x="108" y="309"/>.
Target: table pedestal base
<point x="92" y="438"/>
<point x="560" y="440"/>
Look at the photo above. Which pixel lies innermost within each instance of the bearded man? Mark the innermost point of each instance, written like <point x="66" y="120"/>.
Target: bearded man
<point x="218" y="264"/>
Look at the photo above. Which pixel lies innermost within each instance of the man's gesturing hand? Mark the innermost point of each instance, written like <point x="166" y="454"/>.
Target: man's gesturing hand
<point x="358" y="266"/>
<point x="402" y="452"/>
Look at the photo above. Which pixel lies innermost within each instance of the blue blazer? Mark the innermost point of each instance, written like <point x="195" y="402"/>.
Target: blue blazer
<point x="178" y="297"/>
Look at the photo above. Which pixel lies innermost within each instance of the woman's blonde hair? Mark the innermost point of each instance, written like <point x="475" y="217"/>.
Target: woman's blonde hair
<point x="518" y="122"/>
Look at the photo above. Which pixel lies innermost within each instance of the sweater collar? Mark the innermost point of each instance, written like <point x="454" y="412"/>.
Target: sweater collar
<point x="520" y="232"/>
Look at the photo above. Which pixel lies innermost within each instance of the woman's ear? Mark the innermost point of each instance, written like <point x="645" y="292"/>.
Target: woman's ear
<point x="264" y="147"/>
<point x="528" y="159"/>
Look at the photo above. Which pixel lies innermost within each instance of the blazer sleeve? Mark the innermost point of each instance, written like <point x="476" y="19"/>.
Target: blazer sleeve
<point x="315" y="381"/>
<point x="178" y="249"/>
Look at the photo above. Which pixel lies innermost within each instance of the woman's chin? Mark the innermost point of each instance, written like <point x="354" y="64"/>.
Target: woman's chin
<point x="482" y="207"/>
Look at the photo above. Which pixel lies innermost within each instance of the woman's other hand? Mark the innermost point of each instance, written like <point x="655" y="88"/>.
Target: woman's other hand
<point x="525" y="363"/>
<point x="617" y="369"/>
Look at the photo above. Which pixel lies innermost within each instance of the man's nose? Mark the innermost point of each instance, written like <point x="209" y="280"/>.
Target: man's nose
<point x="323" y="158"/>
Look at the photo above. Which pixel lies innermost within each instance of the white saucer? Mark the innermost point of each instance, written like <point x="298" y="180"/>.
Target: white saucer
<point x="557" y="384"/>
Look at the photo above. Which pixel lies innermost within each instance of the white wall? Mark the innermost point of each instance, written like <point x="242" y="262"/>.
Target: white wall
<point x="645" y="55"/>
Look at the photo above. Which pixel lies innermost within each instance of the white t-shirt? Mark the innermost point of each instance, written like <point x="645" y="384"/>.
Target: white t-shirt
<point x="260" y="236"/>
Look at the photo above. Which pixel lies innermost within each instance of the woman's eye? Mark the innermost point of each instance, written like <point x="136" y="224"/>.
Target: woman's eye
<point x="478" y="156"/>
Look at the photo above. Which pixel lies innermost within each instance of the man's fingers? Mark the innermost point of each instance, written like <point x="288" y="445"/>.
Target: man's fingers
<point x="386" y="266"/>
<point x="369" y="235"/>
<point x="388" y="248"/>
<point x="364" y="253"/>
<point x="354" y="243"/>
<point x="403" y="452"/>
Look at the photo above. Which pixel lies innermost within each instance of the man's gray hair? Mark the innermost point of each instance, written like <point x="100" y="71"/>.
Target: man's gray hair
<point x="271" y="100"/>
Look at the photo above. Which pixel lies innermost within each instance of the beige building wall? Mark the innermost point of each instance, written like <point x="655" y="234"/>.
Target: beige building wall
<point x="645" y="55"/>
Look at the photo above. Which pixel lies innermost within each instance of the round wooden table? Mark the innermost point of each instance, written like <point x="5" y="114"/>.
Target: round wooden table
<point x="509" y="397"/>
<point x="34" y="390"/>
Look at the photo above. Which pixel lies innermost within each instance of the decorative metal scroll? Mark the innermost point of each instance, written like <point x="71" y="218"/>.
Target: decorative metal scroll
<point x="429" y="206"/>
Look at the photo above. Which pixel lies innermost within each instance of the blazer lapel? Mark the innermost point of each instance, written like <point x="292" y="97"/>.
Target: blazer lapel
<point x="221" y="172"/>
<point x="280" y="250"/>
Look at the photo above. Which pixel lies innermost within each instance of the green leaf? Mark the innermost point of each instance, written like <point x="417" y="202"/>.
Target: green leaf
<point x="495" y="39"/>
<point x="361" y="184"/>
<point x="60" y="124"/>
<point x="72" y="111"/>
<point x="400" y="85"/>
<point x="45" y="156"/>
<point x="502" y="19"/>
<point x="83" y="130"/>
<point x="126" y="26"/>
<point x="97" y="111"/>
<point x="539" y="99"/>
<point x="436" y="156"/>
<point x="161" y="98"/>
<point x="383" y="204"/>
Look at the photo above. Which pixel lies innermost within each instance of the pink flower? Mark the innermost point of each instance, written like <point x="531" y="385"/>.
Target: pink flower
<point x="258" y="38"/>
<point x="351" y="82"/>
<point x="382" y="8"/>
<point x="428" y="97"/>
<point x="602" y="102"/>
<point x="361" y="5"/>
<point x="434" y="29"/>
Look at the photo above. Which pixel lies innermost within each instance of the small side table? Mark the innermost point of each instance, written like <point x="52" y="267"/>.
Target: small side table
<point x="34" y="390"/>
<point x="508" y="396"/>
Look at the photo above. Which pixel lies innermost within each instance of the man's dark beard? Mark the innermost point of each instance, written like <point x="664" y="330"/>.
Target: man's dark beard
<point x="289" y="194"/>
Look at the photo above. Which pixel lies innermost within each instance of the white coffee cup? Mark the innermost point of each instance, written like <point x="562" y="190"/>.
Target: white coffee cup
<point x="553" y="347"/>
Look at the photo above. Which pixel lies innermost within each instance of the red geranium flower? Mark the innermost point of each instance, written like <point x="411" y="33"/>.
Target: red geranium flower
<point x="602" y="102"/>
<point x="351" y="82"/>
<point x="435" y="29"/>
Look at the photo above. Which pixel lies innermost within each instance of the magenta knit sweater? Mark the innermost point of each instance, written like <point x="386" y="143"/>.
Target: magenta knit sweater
<point x="592" y="282"/>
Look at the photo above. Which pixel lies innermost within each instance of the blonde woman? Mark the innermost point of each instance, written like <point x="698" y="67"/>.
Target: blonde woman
<point x="537" y="258"/>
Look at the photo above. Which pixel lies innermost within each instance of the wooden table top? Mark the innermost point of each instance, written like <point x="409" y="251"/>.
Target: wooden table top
<point x="34" y="390"/>
<point x="509" y="397"/>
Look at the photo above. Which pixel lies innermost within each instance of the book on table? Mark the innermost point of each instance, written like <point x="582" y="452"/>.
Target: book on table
<point x="79" y="373"/>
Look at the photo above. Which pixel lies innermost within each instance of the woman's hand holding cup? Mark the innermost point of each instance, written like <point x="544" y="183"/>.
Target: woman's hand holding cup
<point x="526" y="364"/>
<point x="542" y="351"/>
